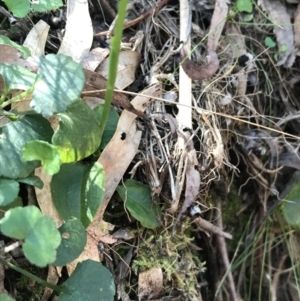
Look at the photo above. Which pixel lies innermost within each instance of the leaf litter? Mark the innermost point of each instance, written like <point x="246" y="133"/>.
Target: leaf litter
<point x="243" y="132"/>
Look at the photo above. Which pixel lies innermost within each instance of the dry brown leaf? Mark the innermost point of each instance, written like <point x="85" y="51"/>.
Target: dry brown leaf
<point x="150" y="283"/>
<point x="238" y="48"/>
<point x="127" y="64"/>
<point x="44" y="197"/>
<point x="95" y="81"/>
<point x="37" y="38"/>
<point x="94" y="58"/>
<point x="192" y="185"/>
<point x="98" y="235"/>
<point x="217" y="24"/>
<point x="282" y="29"/>
<point x="122" y="148"/>
<point x="90" y="252"/>
<point x="78" y="37"/>
<point x="10" y="55"/>
<point x="51" y="278"/>
<point x="197" y="72"/>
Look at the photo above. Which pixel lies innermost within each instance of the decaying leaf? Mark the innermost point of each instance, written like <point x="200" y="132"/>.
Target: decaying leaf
<point x="119" y="153"/>
<point x="150" y="283"/>
<point x="283" y="30"/>
<point x="217" y="24"/>
<point x="95" y="81"/>
<point x="90" y="252"/>
<point x="78" y="38"/>
<point x="127" y="64"/>
<point x="197" y="72"/>
<point x="37" y="38"/>
<point x="94" y="58"/>
<point x="192" y="184"/>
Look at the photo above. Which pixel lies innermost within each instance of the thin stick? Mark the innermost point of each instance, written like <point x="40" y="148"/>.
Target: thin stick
<point x="200" y="111"/>
<point x="223" y="253"/>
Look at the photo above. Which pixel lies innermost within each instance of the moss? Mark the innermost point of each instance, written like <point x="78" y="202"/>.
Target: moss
<point x="181" y="264"/>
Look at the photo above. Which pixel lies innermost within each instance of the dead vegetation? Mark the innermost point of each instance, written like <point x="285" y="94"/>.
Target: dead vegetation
<point x="216" y="138"/>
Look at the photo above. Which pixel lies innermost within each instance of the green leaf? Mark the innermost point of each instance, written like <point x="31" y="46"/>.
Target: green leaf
<point x="47" y="5"/>
<point x="291" y="203"/>
<point x="6" y="298"/>
<point x="39" y="232"/>
<point x="6" y="41"/>
<point x="16" y="203"/>
<point x="20" y="8"/>
<point x="244" y="6"/>
<point x="113" y="62"/>
<point x="16" y="77"/>
<point x="89" y="282"/>
<point x="111" y="124"/>
<point x="9" y="190"/>
<point x="32" y="180"/>
<point x="45" y="152"/>
<point x="247" y="17"/>
<point x="14" y="136"/>
<point x="77" y="136"/>
<point x="60" y="83"/>
<point x="137" y="198"/>
<point x="94" y="191"/>
<point x="73" y="241"/>
<point x="269" y="42"/>
<point x="78" y="190"/>
<point x="283" y="48"/>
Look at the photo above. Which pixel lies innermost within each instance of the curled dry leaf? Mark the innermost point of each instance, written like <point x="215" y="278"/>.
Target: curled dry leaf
<point x="197" y="72"/>
<point x="282" y="29"/>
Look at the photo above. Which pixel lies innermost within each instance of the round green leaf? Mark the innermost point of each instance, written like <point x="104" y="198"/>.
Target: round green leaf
<point x="60" y="83"/>
<point x="20" y="8"/>
<point x="46" y="5"/>
<point x="137" y="198"/>
<point x="89" y="282"/>
<point x="13" y="138"/>
<point x="6" y="41"/>
<point x="6" y="298"/>
<point x="111" y="124"/>
<point x="78" y="190"/>
<point x="73" y="241"/>
<point x="9" y="190"/>
<point x="16" y="77"/>
<point x="45" y="152"/>
<point x="39" y="232"/>
<point x="244" y="6"/>
<point x="269" y="42"/>
<point x="32" y="180"/>
<point x="77" y="136"/>
<point x="41" y="242"/>
<point x="16" y="203"/>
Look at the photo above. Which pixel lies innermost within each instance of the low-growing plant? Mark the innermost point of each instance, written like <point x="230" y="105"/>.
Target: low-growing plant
<point x="28" y="141"/>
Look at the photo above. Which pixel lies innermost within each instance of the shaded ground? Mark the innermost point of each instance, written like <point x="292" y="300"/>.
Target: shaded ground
<point x="240" y="154"/>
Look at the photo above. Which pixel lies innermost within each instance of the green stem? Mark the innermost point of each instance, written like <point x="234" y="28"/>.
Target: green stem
<point x="56" y="288"/>
<point x="113" y="63"/>
<point x="17" y="98"/>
